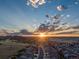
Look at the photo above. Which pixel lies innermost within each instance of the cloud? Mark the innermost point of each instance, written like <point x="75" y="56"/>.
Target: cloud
<point x="60" y="7"/>
<point x="68" y="15"/>
<point x="35" y="3"/>
<point x="76" y="2"/>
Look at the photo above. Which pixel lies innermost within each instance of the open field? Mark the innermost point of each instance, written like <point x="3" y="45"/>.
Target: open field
<point x="8" y="49"/>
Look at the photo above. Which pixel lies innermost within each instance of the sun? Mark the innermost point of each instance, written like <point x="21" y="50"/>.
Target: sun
<point x="42" y="38"/>
<point x="42" y="35"/>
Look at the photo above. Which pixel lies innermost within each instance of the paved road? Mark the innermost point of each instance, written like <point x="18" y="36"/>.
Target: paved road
<point x="41" y="54"/>
<point x="47" y="52"/>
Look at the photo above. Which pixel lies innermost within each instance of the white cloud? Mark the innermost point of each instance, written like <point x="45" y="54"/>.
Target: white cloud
<point x="68" y="15"/>
<point x="35" y="3"/>
<point x="60" y="8"/>
<point x="76" y="2"/>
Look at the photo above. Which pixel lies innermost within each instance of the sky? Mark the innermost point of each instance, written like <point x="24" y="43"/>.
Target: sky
<point x="16" y="14"/>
